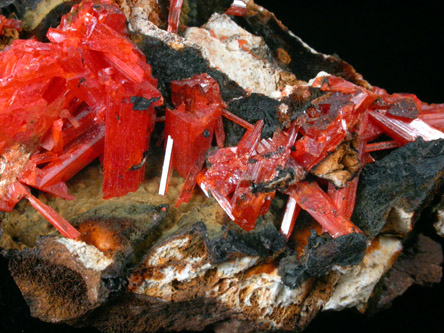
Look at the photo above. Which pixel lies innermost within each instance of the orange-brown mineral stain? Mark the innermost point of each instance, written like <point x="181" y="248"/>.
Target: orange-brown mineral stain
<point x="264" y="268"/>
<point x="300" y="237"/>
<point x="101" y="236"/>
<point x="283" y="56"/>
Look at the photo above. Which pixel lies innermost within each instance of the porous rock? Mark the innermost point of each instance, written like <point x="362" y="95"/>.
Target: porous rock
<point x="63" y="279"/>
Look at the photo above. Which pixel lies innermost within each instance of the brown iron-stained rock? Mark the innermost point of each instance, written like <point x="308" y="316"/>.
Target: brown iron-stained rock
<point x="420" y="263"/>
<point x="340" y="166"/>
<point x="63" y="279"/>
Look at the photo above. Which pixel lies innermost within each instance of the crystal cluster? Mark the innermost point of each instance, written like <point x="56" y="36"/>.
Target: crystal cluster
<point x="244" y="179"/>
<point x="89" y="93"/>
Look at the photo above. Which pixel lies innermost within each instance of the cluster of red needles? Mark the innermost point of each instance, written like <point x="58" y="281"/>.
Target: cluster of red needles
<point x="89" y="94"/>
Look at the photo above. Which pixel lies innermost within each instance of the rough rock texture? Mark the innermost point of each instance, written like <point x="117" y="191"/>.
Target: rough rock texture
<point x="415" y="171"/>
<point x="355" y="287"/>
<point x="290" y="51"/>
<point x="420" y="263"/>
<point x="64" y="278"/>
<point x="439" y="218"/>
<point x="321" y="255"/>
<point x="242" y="56"/>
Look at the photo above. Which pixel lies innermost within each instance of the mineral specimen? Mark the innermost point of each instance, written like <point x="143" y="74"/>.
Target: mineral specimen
<point x="296" y="165"/>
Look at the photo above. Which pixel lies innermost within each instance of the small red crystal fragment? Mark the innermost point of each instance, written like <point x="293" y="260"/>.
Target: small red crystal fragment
<point x="238" y="8"/>
<point x="231" y="116"/>
<point x="219" y="132"/>
<point x="57" y="136"/>
<point x="247" y="206"/>
<point x="174" y="15"/>
<point x="11" y="196"/>
<point x="43" y="158"/>
<point x="190" y="181"/>
<point x="63" y="226"/>
<point x="196" y="92"/>
<point x="377" y="146"/>
<point x="9" y="23"/>
<point x="344" y="198"/>
<point x="229" y="164"/>
<point x="371" y="132"/>
<point x="75" y="157"/>
<point x="249" y="142"/>
<point x="225" y="172"/>
<point x="433" y="115"/>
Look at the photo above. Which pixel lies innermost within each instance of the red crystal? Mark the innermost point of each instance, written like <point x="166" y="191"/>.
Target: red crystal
<point x="196" y="92"/>
<point x="58" y="98"/>
<point x="238" y="8"/>
<point x="321" y="207"/>
<point x="330" y="119"/>
<point x="9" y="23"/>
<point x="433" y="115"/>
<point x="192" y="124"/>
<point x="53" y="217"/>
<point x="404" y="131"/>
<point x="236" y="119"/>
<point x="174" y="15"/>
<point x="377" y="146"/>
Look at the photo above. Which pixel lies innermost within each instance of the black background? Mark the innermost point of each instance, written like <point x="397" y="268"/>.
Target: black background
<point x="395" y="45"/>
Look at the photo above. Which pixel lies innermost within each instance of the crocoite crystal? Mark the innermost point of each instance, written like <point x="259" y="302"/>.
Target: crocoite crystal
<point x="243" y="179"/>
<point x="89" y="92"/>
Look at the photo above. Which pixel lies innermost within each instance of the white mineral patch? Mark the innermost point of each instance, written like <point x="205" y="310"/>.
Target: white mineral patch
<point x="270" y="292"/>
<point x="439" y="225"/>
<point x="170" y="251"/>
<point x="139" y="23"/>
<point x="190" y="268"/>
<point x="231" y="268"/>
<point x="233" y="51"/>
<point x="88" y="255"/>
<point x="399" y="221"/>
<point x="355" y="287"/>
<point x="320" y="74"/>
<point x="267" y="289"/>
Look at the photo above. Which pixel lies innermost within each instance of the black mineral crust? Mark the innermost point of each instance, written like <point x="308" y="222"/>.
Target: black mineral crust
<point x="252" y="109"/>
<point x="320" y="255"/>
<point x="264" y="241"/>
<point x="169" y="64"/>
<point x="406" y="179"/>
